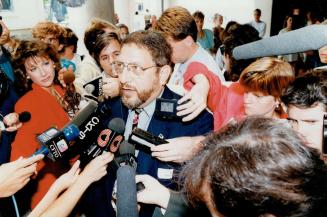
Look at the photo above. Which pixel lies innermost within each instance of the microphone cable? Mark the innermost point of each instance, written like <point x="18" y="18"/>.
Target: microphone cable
<point x="15" y="205"/>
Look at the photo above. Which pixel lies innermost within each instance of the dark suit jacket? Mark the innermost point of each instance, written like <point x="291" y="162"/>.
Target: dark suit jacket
<point x="102" y="190"/>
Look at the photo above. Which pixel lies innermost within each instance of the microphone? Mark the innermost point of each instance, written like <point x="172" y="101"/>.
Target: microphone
<point x="108" y="140"/>
<point x="145" y="140"/>
<point x="312" y="37"/>
<point x="24" y="117"/>
<point x="125" y="156"/>
<point x="55" y="143"/>
<point x="89" y="88"/>
<point x="126" y="192"/>
<point x="89" y="123"/>
<point x="94" y="87"/>
<point x="68" y="77"/>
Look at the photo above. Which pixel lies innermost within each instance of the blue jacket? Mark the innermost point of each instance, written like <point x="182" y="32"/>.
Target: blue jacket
<point x="146" y="164"/>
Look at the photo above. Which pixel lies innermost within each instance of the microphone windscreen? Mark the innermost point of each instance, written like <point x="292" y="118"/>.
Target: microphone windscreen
<point x="312" y="37"/>
<point x="69" y="77"/>
<point x="24" y="117"/>
<point x="71" y="132"/>
<point x="126" y="148"/>
<point x="89" y="88"/>
<point x="117" y="125"/>
<point x="126" y="192"/>
<point x="83" y="114"/>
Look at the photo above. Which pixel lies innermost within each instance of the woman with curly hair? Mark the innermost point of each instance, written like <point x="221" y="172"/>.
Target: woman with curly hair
<point x="37" y="65"/>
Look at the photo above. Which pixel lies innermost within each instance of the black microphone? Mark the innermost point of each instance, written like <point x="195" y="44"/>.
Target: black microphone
<point x="126" y="192"/>
<point x="94" y="87"/>
<point x="145" y="140"/>
<point x="312" y="37"/>
<point x="125" y="156"/>
<point x="89" y="123"/>
<point x="24" y="116"/>
<point x="108" y="140"/>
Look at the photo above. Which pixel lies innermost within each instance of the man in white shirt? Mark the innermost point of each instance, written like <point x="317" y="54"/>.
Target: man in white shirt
<point x="258" y="24"/>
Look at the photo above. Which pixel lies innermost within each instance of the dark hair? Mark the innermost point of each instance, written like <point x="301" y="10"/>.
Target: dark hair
<point x="230" y="27"/>
<point x="198" y="14"/>
<point x="178" y="23"/>
<point x="285" y="21"/>
<point x="69" y="38"/>
<point x="30" y="49"/>
<point x="97" y="27"/>
<point x="258" y="11"/>
<point x="258" y="166"/>
<point x="242" y="34"/>
<point x="154" y="42"/>
<point x="307" y="91"/>
<point x="101" y="42"/>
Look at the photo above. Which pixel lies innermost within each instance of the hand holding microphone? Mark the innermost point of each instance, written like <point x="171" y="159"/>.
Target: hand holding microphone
<point x="149" y="195"/>
<point x="66" y="76"/>
<point x="13" y="121"/>
<point x="110" y="87"/>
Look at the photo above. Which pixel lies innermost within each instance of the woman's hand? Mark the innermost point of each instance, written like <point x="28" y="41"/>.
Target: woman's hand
<point x="69" y="178"/>
<point x="97" y="168"/>
<point x="15" y="175"/>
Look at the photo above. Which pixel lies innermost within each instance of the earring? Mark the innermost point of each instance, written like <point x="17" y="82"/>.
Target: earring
<point x="28" y="77"/>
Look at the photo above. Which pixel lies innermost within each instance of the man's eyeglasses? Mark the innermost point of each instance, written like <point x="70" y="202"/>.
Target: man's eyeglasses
<point x="118" y="68"/>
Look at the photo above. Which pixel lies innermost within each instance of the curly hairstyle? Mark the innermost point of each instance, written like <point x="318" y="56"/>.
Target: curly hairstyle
<point x="42" y="29"/>
<point x="31" y="49"/>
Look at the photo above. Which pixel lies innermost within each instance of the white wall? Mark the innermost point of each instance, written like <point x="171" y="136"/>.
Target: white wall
<point x="126" y="12"/>
<point x="79" y="18"/>
<point x="238" y="10"/>
<point x="24" y="15"/>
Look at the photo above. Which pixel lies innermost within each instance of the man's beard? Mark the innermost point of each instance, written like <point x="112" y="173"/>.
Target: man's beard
<point x="142" y="97"/>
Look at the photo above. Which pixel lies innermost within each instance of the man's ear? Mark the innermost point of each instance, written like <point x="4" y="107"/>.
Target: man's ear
<point x="164" y="74"/>
<point x="61" y="46"/>
<point x="189" y="41"/>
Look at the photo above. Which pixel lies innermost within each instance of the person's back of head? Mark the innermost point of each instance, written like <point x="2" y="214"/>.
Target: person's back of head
<point x="177" y="23"/>
<point x="256" y="167"/>
<point x="97" y="27"/>
<point x="241" y="34"/>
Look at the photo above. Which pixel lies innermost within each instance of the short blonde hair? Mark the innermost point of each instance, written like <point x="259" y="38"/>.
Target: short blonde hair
<point x="42" y="29"/>
<point x="267" y="75"/>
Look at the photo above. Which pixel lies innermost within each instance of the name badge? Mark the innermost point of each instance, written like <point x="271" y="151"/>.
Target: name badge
<point x="165" y="173"/>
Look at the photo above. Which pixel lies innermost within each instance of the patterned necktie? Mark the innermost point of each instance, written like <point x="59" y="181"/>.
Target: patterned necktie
<point x="136" y="118"/>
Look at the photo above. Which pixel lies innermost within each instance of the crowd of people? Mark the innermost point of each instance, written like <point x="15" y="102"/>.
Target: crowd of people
<point x="246" y="136"/>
